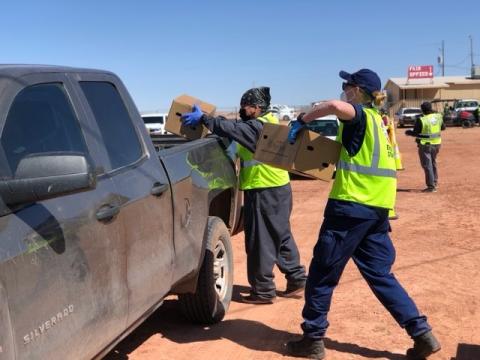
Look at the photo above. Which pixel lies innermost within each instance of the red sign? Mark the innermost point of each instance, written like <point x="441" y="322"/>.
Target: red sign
<point x="420" y="72"/>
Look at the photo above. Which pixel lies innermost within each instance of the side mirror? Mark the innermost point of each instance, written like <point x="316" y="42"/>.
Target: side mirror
<point x="44" y="176"/>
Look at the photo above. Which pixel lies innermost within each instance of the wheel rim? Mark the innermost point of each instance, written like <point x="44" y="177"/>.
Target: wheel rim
<point x="221" y="269"/>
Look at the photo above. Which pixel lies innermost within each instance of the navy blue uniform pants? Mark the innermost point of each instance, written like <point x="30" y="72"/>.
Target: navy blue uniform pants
<point x="367" y="242"/>
<point x="268" y="239"/>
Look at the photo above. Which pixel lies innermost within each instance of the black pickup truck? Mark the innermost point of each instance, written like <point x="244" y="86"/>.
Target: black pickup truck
<point x="97" y="226"/>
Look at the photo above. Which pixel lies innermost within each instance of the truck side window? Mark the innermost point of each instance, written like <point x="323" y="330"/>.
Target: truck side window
<point x="116" y="127"/>
<point x="40" y="120"/>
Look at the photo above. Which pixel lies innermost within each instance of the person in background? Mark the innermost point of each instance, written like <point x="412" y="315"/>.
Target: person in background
<point x="476" y="113"/>
<point x="267" y="200"/>
<point x="427" y="130"/>
<point x="356" y="221"/>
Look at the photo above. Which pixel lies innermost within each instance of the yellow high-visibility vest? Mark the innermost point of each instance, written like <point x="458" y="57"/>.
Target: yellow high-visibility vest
<point x="431" y="127"/>
<point x="368" y="177"/>
<point x="257" y="175"/>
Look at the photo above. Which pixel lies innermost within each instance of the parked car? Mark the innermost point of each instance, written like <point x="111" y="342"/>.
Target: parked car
<point x="326" y="126"/>
<point x="407" y="116"/>
<point x="283" y="112"/>
<point x="155" y="122"/>
<point x="97" y="227"/>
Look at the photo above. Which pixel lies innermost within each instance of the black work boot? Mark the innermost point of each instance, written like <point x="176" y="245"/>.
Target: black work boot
<point x="257" y="300"/>
<point x="294" y="289"/>
<point x="307" y="347"/>
<point x="423" y="346"/>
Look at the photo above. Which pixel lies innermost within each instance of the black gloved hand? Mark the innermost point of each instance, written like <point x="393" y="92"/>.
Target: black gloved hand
<point x="409" y="132"/>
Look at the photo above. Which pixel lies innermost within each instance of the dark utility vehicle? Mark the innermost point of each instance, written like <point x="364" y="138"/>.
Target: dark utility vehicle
<point x="96" y="225"/>
<point x="463" y="112"/>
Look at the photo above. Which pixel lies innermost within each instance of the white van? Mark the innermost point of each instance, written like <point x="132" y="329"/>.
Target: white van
<point x="283" y="112"/>
<point x="155" y="122"/>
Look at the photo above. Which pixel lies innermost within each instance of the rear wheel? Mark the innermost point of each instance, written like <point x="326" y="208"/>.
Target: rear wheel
<point x="211" y="300"/>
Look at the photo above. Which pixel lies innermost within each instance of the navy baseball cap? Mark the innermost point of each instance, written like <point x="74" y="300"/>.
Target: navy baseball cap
<point x="365" y="79"/>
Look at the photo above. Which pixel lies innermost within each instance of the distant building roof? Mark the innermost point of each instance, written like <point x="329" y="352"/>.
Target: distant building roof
<point x="435" y="83"/>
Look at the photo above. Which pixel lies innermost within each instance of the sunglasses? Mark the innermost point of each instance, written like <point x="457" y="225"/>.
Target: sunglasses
<point x="347" y="84"/>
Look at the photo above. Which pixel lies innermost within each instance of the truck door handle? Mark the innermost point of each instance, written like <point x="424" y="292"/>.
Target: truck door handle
<point x="158" y="189"/>
<point x="107" y="213"/>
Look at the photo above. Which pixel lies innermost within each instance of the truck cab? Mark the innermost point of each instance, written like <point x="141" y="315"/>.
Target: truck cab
<point x="96" y="226"/>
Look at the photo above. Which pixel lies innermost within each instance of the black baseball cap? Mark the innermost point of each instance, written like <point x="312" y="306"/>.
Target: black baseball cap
<point x="426" y="106"/>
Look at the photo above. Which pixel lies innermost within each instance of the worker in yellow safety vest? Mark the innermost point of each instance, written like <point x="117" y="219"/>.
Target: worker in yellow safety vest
<point x="427" y="131"/>
<point x="267" y="200"/>
<point x="356" y="221"/>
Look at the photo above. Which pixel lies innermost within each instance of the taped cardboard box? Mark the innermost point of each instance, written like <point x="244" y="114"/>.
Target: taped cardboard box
<point x="311" y="155"/>
<point x="184" y="104"/>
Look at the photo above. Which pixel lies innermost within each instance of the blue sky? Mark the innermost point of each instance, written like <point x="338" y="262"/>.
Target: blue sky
<point x="215" y="49"/>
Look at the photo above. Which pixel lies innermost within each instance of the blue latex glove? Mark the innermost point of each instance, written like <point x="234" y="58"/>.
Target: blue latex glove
<point x="192" y="118"/>
<point x="295" y="129"/>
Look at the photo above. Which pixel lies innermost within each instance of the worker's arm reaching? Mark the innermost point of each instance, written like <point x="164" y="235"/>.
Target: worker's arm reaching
<point x="417" y="129"/>
<point x="342" y="109"/>
<point x="244" y="132"/>
<point x="351" y="115"/>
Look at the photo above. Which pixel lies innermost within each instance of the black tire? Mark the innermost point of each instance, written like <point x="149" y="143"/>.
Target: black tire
<point x="210" y="302"/>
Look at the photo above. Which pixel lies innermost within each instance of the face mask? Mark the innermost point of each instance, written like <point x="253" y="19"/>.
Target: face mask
<point x="348" y="95"/>
<point x="243" y="115"/>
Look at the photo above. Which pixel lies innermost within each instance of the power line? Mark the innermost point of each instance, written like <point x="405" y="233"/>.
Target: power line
<point x="461" y="62"/>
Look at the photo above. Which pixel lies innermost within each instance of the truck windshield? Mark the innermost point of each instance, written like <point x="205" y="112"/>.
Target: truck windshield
<point x="153" y="119"/>
<point x="325" y="127"/>
<point x="464" y="104"/>
<point x="412" y="111"/>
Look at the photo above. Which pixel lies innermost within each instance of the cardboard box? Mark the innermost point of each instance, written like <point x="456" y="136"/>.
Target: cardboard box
<point x="311" y="155"/>
<point x="183" y="104"/>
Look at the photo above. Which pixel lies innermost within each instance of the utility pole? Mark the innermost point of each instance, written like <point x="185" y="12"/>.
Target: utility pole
<point x="443" y="57"/>
<point x="471" y="50"/>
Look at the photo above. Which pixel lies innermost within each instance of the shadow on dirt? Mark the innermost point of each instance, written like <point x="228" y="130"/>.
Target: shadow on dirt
<point x="169" y="323"/>
<point x="467" y="352"/>
<point x="361" y="351"/>
<point x="410" y="190"/>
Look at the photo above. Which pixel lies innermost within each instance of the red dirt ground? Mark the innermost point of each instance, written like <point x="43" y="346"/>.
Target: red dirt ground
<point x="438" y="262"/>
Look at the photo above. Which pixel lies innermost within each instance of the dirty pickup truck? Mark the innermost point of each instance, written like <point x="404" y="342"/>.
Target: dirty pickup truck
<point x="97" y="226"/>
